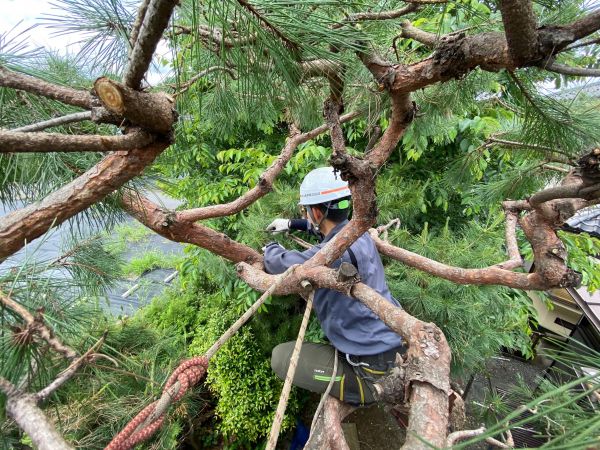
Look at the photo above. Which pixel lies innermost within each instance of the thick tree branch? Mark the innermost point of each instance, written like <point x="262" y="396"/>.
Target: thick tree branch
<point x="427" y="366"/>
<point x="24" y="411"/>
<point x="69" y="96"/>
<point x="16" y="142"/>
<point x="520" y="29"/>
<point x="327" y="432"/>
<point x="156" y="19"/>
<point x="167" y="224"/>
<point x="108" y="175"/>
<point x="135" y="28"/>
<point x="569" y="191"/>
<point x="151" y="111"/>
<point x="568" y="70"/>
<point x="37" y="325"/>
<point x="265" y="183"/>
<point x="56" y="122"/>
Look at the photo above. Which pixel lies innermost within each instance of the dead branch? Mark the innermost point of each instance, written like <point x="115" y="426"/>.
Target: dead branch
<point x="19" y="142"/>
<point x="568" y="70"/>
<point x="56" y="122"/>
<point x="582" y="44"/>
<point x="185" y="86"/>
<point x="108" y="175"/>
<point x="265" y="183"/>
<point x="167" y="224"/>
<point x="70" y="371"/>
<point x="156" y="19"/>
<point x="520" y="29"/>
<point x="38" y="326"/>
<point x="69" y="96"/>
<point x="151" y="111"/>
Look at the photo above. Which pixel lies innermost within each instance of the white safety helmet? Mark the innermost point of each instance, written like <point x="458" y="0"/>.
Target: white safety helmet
<point x="322" y="185"/>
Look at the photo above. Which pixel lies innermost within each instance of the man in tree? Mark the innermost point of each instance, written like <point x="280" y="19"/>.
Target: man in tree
<point x="367" y="347"/>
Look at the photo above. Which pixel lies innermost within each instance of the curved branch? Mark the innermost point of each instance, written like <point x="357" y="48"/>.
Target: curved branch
<point x="290" y="44"/>
<point x="265" y="183"/>
<point x="108" y="175"/>
<point x="156" y="20"/>
<point x="485" y="276"/>
<point x="568" y="70"/>
<point x="56" y="122"/>
<point x="568" y="191"/>
<point x="69" y="96"/>
<point x="424" y="37"/>
<point x="167" y="224"/>
<point x="17" y="142"/>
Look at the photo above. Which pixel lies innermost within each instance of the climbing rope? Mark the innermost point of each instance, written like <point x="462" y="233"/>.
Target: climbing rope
<point x="150" y="419"/>
<point x="188" y="374"/>
<point x="287" y="385"/>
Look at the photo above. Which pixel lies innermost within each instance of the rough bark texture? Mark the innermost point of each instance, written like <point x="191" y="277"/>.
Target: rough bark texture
<point x="69" y="96"/>
<point x="153" y="112"/>
<point x="327" y="433"/>
<point x="23" y="142"/>
<point x="520" y="29"/>
<point x="25" y="412"/>
<point x="167" y="224"/>
<point x="108" y="175"/>
<point x="156" y="19"/>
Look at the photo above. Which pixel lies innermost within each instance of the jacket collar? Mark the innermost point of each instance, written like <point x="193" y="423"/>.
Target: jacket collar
<point x="335" y="230"/>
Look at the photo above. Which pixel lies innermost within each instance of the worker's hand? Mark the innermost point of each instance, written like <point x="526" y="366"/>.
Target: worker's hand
<point x="279" y="226"/>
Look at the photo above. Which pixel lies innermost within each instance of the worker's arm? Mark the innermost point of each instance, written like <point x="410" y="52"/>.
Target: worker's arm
<point x="278" y="259"/>
<point x="281" y="225"/>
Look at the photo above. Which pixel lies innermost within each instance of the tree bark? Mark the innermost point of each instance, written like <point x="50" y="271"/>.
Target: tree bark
<point x="26" y="224"/>
<point x="152" y="112"/>
<point x="23" y="142"/>
<point x="520" y="29"/>
<point x="167" y="224"/>
<point x="56" y="122"/>
<point x="25" y="412"/>
<point x="156" y="19"/>
<point x="69" y="96"/>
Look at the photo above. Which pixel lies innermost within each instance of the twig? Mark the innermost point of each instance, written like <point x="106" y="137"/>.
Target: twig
<point x="581" y="44"/>
<point x="135" y="29"/>
<point x="185" y="86"/>
<point x="465" y="434"/>
<point x="287" y="385"/>
<point x="383" y="15"/>
<point x="58" y="121"/>
<point x="290" y="44"/>
<point x="37" y="324"/>
<point x="299" y="241"/>
<point x="68" y="373"/>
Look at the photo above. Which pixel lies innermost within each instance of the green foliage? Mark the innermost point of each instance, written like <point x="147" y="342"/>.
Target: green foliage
<point x="583" y="250"/>
<point x="476" y="320"/>
<point x="150" y="260"/>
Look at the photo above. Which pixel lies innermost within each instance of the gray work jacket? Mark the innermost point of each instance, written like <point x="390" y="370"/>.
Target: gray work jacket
<point x="348" y="324"/>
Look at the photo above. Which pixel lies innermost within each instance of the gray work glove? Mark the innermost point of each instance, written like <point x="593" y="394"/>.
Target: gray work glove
<point x="279" y="226"/>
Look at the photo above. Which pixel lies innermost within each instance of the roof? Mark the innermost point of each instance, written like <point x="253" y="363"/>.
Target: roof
<point x="586" y="219"/>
